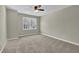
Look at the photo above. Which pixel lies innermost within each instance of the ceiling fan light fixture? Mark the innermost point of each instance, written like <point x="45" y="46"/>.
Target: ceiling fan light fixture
<point x="36" y="10"/>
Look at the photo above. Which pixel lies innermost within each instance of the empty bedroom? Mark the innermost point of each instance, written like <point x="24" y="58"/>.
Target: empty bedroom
<point x="39" y="28"/>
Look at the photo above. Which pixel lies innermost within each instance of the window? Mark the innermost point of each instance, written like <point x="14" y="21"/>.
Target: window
<point x="29" y="23"/>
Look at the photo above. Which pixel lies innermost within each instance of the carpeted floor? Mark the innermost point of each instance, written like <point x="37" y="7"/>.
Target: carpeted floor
<point x="39" y="44"/>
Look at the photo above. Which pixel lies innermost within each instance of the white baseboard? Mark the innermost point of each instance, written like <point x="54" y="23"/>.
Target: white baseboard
<point x="27" y="35"/>
<point x="18" y="37"/>
<point x="21" y="35"/>
<point x="13" y="38"/>
<point x="60" y="39"/>
<point x="3" y="47"/>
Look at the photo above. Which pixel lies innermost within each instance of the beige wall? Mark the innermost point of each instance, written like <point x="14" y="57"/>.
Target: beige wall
<point x="62" y="24"/>
<point x="3" y="38"/>
<point x="14" y="24"/>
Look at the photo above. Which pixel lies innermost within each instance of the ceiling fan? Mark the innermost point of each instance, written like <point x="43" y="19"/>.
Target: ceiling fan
<point x="38" y="8"/>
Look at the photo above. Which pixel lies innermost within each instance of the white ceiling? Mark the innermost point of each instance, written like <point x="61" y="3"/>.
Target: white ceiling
<point x="28" y="9"/>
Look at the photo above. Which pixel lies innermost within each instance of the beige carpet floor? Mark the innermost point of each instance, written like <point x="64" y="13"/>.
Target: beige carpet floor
<point x="39" y="44"/>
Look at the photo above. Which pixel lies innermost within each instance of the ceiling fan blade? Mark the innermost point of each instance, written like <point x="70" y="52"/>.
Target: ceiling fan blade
<point x="41" y="9"/>
<point x="39" y="6"/>
<point x="35" y="7"/>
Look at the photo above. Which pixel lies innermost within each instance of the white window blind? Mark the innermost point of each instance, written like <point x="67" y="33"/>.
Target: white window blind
<point x="29" y="23"/>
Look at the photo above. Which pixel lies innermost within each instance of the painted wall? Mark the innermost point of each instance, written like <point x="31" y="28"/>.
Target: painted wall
<point x="62" y="24"/>
<point x="3" y="38"/>
<point x="14" y="24"/>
